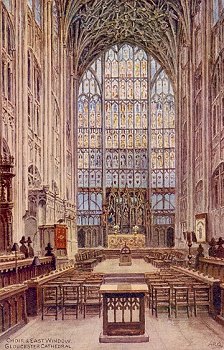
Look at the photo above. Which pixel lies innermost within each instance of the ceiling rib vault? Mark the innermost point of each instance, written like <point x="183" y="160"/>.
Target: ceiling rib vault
<point x="154" y="25"/>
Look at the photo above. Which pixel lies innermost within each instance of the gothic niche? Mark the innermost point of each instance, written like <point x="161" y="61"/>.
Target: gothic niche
<point x="6" y="204"/>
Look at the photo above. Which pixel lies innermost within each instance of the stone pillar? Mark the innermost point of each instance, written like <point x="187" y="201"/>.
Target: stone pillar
<point x="206" y="126"/>
<point x="74" y="116"/>
<point x="1" y="112"/>
<point x="190" y="137"/>
<point x="21" y="127"/>
<point x="178" y="128"/>
<point x="46" y="88"/>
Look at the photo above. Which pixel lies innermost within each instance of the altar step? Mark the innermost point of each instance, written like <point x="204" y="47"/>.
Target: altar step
<point x="115" y="278"/>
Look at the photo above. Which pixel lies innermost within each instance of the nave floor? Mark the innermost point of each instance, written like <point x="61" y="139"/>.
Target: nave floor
<point x="195" y="333"/>
<point x="112" y="266"/>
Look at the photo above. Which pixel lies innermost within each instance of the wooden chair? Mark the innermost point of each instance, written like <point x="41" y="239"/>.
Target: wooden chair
<point x="161" y="297"/>
<point x="202" y="297"/>
<point x="51" y="300"/>
<point x="180" y="298"/>
<point x="92" y="298"/>
<point x="70" y="299"/>
<point x="156" y="280"/>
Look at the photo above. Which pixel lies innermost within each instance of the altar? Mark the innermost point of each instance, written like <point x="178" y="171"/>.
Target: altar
<point x="133" y="241"/>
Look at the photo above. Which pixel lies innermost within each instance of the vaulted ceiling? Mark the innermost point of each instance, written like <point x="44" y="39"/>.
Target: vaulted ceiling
<point x="155" y="25"/>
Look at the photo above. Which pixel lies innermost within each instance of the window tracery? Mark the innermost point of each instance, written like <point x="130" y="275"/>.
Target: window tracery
<point x="198" y="114"/>
<point x="56" y="144"/>
<point x="34" y="94"/>
<point x="198" y="196"/>
<point x="217" y="183"/>
<point x="115" y="148"/>
<point x="36" y="8"/>
<point x="8" y="5"/>
<point x="34" y="178"/>
<point x="218" y="6"/>
<point x="55" y="49"/>
<point x="218" y="96"/>
<point x="8" y="62"/>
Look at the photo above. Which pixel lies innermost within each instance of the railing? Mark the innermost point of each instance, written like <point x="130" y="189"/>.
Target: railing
<point x="17" y="272"/>
<point x="213" y="267"/>
<point x="89" y="258"/>
<point x="214" y="284"/>
<point x="34" y="289"/>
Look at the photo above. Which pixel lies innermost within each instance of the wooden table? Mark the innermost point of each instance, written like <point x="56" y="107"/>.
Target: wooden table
<point x="123" y="313"/>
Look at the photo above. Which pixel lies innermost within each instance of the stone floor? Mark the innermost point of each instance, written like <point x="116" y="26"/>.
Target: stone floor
<point x="112" y="266"/>
<point x="195" y="333"/>
<point x="182" y="333"/>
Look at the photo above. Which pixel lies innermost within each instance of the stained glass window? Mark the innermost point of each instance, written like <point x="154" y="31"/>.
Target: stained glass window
<point x="162" y="132"/>
<point x="128" y="140"/>
<point x="126" y="94"/>
<point x="90" y="146"/>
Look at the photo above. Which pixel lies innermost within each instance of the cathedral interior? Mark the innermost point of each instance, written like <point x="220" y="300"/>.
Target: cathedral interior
<point x="112" y="174"/>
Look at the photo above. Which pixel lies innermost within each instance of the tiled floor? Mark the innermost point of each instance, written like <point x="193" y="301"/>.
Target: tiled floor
<point x="112" y="266"/>
<point x="195" y="333"/>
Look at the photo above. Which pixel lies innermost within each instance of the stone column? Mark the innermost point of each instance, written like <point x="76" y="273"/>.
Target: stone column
<point x="206" y="99"/>
<point x="21" y="126"/>
<point x="1" y="114"/>
<point x="63" y="112"/>
<point x="190" y="136"/>
<point x="178" y="133"/>
<point x="74" y="117"/>
<point x="47" y="98"/>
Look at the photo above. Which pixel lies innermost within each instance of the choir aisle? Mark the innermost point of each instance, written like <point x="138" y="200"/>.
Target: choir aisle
<point x="112" y="266"/>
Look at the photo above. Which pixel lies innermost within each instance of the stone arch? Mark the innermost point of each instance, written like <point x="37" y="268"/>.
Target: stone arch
<point x="31" y="229"/>
<point x="170" y="237"/>
<point x="81" y="238"/>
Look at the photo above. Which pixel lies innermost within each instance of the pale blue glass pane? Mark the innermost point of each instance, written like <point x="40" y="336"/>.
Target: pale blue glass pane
<point x="172" y="200"/>
<point x="7" y="4"/>
<point x="215" y="11"/>
<point x="38" y="11"/>
<point x="30" y="4"/>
